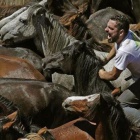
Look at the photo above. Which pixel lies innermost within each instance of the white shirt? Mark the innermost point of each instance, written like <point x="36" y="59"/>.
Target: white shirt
<point x="128" y="54"/>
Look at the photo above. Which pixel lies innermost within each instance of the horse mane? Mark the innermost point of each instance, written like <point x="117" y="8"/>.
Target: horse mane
<point x="86" y="73"/>
<point x="74" y="21"/>
<point x="112" y="115"/>
<point x="10" y="106"/>
<point x="21" y="121"/>
<point x="52" y="33"/>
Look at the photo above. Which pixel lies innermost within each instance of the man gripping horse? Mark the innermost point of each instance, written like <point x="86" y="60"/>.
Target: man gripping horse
<point x="127" y="55"/>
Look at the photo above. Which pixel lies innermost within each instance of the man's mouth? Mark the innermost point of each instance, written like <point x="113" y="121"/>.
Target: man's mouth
<point x="109" y="36"/>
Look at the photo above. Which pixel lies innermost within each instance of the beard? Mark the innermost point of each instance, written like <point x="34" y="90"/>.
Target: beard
<point x="113" y="39"/>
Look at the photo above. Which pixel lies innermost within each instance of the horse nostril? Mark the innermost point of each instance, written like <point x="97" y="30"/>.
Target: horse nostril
<point x="66" y="106"/>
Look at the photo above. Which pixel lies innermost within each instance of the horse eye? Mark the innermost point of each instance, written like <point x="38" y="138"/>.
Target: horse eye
<point x="64" y="54"/>
<point x="23" y="21"/>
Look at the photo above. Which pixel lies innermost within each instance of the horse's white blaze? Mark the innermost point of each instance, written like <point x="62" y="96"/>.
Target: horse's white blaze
<point x="71" y="99"/>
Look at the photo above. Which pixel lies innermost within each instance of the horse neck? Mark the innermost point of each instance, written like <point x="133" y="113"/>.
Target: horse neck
<point x="52" y="36"/>
<point x="86" y="76"/>
<point x="112" y="123"/>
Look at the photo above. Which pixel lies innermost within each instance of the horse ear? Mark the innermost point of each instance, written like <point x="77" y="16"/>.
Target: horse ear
<point x="42" y="130"/>
<point x="80" y="45"/>
<point x="45" y="2"/>
<point x="38" y="11"/>
<point x="107" y="99"/>
<point x="102" y="100"/>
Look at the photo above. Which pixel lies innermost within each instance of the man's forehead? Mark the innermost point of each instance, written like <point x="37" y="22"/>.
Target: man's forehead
<point x="112" y="23"/>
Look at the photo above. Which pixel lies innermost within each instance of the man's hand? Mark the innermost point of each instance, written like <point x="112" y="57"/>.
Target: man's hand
<point x="104" y="61"/>
<point x="111" y="75"/>
<point x="101" y="73"/>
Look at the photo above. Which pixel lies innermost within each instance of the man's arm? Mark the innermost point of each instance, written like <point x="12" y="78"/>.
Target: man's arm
<point x="112" y="75"/>
<point x="110" y="55"/>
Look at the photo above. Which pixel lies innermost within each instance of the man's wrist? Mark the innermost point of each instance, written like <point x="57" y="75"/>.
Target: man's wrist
<point x="105" y="61"/>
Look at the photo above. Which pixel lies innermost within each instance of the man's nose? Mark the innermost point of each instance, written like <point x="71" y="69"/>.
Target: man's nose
<point x="106" y="29"/>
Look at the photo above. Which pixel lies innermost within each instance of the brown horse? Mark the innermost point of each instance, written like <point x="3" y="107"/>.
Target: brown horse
<point x="8" y="7"/>
<point x="106" y="111"/>
<point x="6" y="124"/>
<point x="23" y="53"/>
<point x="79" y="129"/>
<point x="13" y="67"/>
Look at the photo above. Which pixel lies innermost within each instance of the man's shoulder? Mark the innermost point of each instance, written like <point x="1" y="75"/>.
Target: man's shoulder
<point x="130" y="46"/>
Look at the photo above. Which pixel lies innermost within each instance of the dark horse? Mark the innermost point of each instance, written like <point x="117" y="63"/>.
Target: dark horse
<point x="106" y="112"/>
<point x="11" y="121"/>
<point x="6" y="107"/>
<point x="79" y="60"/>
<point x="39" y="101"/>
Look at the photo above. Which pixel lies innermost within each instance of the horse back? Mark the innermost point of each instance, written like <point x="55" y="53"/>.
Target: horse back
<point x="13" y="67"/>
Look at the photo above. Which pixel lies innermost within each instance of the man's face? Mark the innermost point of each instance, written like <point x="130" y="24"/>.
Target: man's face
<point x="112" y="30"/>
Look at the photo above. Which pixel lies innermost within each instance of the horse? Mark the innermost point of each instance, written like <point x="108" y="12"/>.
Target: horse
<point x="11" y="120"/>
<point x="78" y="129"/>
<point x="104" y="110"/>
<point x="37" y="25"/>
<point x="84" y="25"/>
<point x="23" y="53"/>
<point x="80" y="60"/>
<point x="97" y="22"/>
<point x="6" y="106"/>
<point x="135" y="28"/>
<point x="59" y="8"/>
<point x="14" y="67"/>
<point x="135" y="10"/>
<point x="39" y="101"/>
<point x="6" y="127"/>
<point x="9" y="7"/>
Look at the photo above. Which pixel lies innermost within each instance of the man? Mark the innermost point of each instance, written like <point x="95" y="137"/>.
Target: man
<point x="127" y="55"/>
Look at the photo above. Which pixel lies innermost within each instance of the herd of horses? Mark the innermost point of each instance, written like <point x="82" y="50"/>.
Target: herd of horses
<point x="48" y="36"/>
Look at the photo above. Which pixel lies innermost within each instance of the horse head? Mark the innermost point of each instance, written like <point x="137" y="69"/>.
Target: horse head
<point x="11" y="126"/>
<point x="77" y="59"/>
<point x="19" y="26"/>
<point x="103" y="109"/>
<point x="36" y="24"/>
<point x="80" y="104"/>
<point x="63" y="61"/>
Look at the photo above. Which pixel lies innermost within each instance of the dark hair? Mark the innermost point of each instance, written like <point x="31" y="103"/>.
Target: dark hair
<point x="122" y="22"/>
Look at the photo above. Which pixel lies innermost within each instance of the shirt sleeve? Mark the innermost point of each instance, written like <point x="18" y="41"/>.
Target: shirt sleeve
<point x="122" y="59"/>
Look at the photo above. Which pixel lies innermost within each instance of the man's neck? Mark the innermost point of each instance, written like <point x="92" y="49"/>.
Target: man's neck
<point x="121" y="39"/>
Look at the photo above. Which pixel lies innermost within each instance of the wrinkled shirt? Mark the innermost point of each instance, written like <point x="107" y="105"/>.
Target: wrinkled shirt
<point x="128" y="54"/>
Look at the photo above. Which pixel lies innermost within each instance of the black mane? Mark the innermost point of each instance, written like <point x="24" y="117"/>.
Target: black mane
<point x="86" y="73"/>
<point x="9" y="105"/>
<point x="112" y="116"/>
